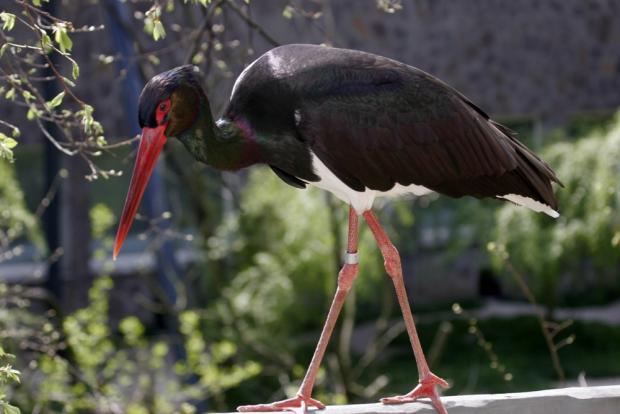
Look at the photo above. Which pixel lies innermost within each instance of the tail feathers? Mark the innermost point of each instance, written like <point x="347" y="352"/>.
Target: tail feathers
<point x="534" y="159"/>
<point x="531" y="204"/>
<point x="538" y="176"/>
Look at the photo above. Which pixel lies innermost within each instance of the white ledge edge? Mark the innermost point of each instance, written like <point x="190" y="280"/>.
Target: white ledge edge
<point x="576" y="400"/>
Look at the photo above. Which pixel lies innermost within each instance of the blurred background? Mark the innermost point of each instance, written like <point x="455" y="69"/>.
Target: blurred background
<point x="224" y="282"/>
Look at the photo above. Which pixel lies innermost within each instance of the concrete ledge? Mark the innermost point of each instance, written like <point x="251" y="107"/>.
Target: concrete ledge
<point x="578" y="400"/>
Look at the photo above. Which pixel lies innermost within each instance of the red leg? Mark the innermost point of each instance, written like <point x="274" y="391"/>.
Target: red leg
<point x="428" y="380"/>
<point x="347" y="275"/>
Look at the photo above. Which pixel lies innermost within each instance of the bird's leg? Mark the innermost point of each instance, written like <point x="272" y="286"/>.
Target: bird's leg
<point x="347" y="275"/>
<point x="428" y="380"/>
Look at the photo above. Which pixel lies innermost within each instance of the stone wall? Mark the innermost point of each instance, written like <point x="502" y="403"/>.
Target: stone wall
<point x="528" y="58"/>
<point x="545" y="60"/>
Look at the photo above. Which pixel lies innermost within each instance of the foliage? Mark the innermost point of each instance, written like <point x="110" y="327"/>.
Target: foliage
<point x="283" y="245"/>
<point x="15" y="220"/>
<point x="93" y="369"/>
<point x="87" y="362"/>
<point x="584" y="243"/>
<point x="35" y="47"/>
<point x="7" y="375"/>
<point x="518" y="348"/>
<point x="7" y="144"/>
<point x="283" y="257"/>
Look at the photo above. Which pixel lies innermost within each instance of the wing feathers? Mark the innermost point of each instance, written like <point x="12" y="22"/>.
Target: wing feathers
<point x="421" y="132"/>
<point x="288" y="178"/>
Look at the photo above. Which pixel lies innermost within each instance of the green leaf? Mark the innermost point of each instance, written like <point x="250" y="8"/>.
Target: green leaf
<point x="69" y="81"/>
<point x="187" y="408"/>
<point x="6" y="151"/>
<point x="8" y="21"/>
<point x="65" y="41"/>
<point x="31" y="114"/>
<point x="57" y="100"/>
<point x="10" y="409"/>
<point x="62" y="38"/>
<point x="132" y="329"/>
<point x="102" y="219"/>
<point x="75" y="71"/>
<point x="198" y="58"/>
<point x="287" y="13"/>
<point x="158" y="30"/>
<point x="3" y="49"/>
<point x="10" y="94"/>
<point x="153" y="59"/>
<point x="88" y="122"/>
<point x="9" y="143"/>
<point x="46" y="41"/>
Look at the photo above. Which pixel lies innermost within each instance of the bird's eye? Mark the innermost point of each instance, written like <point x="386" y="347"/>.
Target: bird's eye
<point x="162" y="111"/>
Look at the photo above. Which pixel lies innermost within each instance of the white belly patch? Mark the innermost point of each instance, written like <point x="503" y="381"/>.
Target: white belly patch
<point x="360" y="200"/>
<point x="363" y="200"/>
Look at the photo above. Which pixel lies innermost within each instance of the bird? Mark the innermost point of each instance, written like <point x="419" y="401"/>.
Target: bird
<point x="355" y="124"/>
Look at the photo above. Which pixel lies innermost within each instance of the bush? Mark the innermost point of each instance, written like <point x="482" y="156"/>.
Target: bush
<point x="583" y="245"/>
<point x="84" y="366"/>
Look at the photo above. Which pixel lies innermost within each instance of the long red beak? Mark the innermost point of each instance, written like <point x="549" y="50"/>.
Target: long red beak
<point x="151" y="143"/>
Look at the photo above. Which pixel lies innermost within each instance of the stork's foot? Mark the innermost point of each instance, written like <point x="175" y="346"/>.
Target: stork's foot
<point x="292" y="404"/>
<point x="426" y="388"/>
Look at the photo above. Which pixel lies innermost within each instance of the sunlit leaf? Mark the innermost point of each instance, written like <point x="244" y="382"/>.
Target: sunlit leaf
<point x="75" y="71"/>
<point x="153" y="59"/>
<point x="69" y="81"/>
<point x="10" y="409"/>
<point x="57" y="100"/>
<point x="8" y="21"/>
<point x="10" y="94"/>
<point x="158" y="30"/>
<point x="132" y="329"/>
<point x="27" y="95"/>
<point x="62" y="38"/>
<point x="9" y="143"/>
<point x="6" y="151"/>
<point x="46" y="41"/>
<point x="288" y="11"/>
<point x="32" y="114"/>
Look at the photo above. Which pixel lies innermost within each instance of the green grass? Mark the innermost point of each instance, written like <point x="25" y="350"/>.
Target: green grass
<point x="520" y="348"/>
<point x="518" y="344"/>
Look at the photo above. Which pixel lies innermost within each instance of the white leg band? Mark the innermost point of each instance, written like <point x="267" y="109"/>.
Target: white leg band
<point x="351" y="258"/>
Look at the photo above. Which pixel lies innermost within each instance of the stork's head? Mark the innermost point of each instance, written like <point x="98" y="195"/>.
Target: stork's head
<point x="169" y="106"/>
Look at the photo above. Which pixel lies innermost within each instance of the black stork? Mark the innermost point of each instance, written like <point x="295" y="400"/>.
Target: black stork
<point x="358" y="125"/>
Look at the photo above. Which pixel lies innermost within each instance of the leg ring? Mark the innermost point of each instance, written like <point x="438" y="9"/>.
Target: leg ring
<point x="351" y="258"/>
